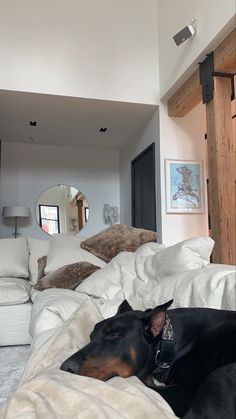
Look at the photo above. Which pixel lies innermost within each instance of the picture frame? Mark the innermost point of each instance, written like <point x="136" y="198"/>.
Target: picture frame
<point x="184" y="186"/>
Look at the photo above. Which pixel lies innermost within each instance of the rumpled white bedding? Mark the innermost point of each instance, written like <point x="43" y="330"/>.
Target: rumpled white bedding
<point x="150" y="276"/>
<point x="146" y="278"/>
<point x="47" y="392"/>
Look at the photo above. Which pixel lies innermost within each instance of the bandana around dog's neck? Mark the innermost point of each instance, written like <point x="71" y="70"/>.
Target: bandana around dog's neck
<point x="164" y="350"/>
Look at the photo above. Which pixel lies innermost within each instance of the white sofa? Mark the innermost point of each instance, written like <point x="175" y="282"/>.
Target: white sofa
<point x="182" y="272"/>
<point x="19" y="272"/>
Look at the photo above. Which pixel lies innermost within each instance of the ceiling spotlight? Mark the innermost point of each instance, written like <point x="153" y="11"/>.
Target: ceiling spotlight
<point x="103" y="129"/>
<point x="33" y="123"/>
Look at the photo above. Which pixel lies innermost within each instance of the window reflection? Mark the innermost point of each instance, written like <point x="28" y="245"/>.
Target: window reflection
<point x="49" y="218"/>
<point x="62" y="209"/>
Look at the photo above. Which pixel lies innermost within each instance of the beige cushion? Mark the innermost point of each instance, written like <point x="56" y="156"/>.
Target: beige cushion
<point x="65" y="250"/>
<point x="37" y="249"/>
<point x="14" y="257"/>
<point x="14" y="291"/>
<point x="118" y="238"/>
<point x="68" y="276"/>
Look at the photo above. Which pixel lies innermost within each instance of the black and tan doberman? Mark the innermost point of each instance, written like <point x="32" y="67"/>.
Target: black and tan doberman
<point x="191" y="350"/>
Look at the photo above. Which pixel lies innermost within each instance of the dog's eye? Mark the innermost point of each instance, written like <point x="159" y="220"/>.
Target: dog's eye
<point x="114" y="336"/>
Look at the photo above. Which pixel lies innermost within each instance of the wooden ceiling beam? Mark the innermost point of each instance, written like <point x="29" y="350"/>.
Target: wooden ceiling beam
<point x="189" y="94"/>
<point x="225" y="54"/>
<point x="186" y="98"/>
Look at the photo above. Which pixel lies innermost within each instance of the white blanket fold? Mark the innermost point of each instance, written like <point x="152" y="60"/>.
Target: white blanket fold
<point x="47" y="392"/>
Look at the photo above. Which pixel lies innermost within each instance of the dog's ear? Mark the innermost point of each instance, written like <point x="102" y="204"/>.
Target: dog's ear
<point x="155" y="319"/>
<point x="123" y="307"/>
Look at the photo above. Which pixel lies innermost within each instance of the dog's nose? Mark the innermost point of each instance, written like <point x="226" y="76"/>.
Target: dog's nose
<point x="70" y="366"/>
<point x="73" y="363"/>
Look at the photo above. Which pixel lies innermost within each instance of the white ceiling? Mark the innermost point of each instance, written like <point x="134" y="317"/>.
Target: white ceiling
<point x="69" y="121"/>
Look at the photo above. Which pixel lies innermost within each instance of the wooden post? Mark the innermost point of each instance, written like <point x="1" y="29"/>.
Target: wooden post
<point x="221" y="162"/>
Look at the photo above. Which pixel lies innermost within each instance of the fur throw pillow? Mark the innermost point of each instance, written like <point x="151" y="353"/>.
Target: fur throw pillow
<point x="118" y="238"/>
<point x="68" y="276"/>
<point x="41" y="265"/>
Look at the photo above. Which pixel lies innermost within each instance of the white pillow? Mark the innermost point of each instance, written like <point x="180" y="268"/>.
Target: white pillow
<point x="37" y="249"/>
<point x="14" y="291"/>
<point x="64" y="250"/>
<point x="14" y="258"/>
<point x="213" y="286"/>
<point x="193" y="253"/>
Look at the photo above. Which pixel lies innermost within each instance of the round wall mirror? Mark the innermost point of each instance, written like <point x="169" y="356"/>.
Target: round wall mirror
<point x="62" y="209"/>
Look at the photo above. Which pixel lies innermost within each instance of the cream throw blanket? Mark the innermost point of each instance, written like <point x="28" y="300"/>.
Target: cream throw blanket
<point x="47" y="392"/>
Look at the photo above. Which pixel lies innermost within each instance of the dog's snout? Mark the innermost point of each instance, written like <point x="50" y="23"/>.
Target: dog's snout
<point x="68" y="367"/>
<point x="71" y="365"/>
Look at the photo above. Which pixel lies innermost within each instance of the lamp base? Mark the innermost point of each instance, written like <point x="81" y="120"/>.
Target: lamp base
<point x="15" y="232"/>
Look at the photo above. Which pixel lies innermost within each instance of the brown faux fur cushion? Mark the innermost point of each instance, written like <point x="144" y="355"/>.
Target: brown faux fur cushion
<point x="41" y="266"/>
<point x="118" y="238"/>
<point x="68" y="276"/>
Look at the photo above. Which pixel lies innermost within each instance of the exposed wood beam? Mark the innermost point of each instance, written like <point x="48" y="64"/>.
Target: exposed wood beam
<point x="189" y="94"/>
<point x="221" y="164"/>
<point x="225" y="54"/>
<point x="187" y="97"/>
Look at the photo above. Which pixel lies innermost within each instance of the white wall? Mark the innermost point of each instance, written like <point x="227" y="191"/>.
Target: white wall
<point x="128" y="153"/>
<point x="27" y="170"/>
<point x="211" y="15"/>
<point x="104" y="49"/>
<point x="182" y="139"/>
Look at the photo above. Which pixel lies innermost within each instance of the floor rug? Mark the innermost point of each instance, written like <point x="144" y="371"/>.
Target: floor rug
<point x="12" y="362"/>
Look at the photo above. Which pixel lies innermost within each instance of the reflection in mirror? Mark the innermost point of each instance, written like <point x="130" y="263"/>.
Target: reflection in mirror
<point x="62" y="209"/>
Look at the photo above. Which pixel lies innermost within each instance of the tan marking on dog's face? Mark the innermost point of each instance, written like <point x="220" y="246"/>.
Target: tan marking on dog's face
<point x="111" y="367"/>
<point x="133" y="354"/>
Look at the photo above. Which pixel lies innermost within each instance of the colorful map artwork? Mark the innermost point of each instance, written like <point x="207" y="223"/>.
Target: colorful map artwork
<point x="185" y="186"/>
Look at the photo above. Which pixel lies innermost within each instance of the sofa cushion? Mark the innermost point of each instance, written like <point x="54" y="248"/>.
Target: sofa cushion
<point x="37" y="249"/>
<point x="65" y="250"/>
<point x="14" y="291"/>
<point x="68" y="276"/>
<point x="117" y="238"/>
<point x="14" y="258"/>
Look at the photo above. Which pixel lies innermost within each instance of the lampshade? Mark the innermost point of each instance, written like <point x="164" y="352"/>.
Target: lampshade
<point x="15" y="212"/>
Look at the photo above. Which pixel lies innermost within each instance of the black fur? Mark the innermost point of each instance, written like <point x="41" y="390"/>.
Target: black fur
<point x="200" y="382"/>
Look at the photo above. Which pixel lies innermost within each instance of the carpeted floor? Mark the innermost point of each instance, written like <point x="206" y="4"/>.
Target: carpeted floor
<point x="12" y="362"/>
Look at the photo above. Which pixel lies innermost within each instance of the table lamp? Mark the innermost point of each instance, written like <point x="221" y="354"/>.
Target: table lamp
<point x="15" y="212"/>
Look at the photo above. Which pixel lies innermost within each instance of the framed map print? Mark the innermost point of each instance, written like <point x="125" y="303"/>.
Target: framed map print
<point x="184" y="186"/>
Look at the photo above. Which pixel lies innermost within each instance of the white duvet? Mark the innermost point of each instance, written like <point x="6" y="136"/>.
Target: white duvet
<point x="62" y="320"/>
<point x="150" y="276"/>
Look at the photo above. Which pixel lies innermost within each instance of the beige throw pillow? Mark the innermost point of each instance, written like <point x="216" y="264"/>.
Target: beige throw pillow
<point x="68" y="276"/>
<point x="118" y="238"/>
<point x="65" y="250"/>
<point x="14" y="258"/>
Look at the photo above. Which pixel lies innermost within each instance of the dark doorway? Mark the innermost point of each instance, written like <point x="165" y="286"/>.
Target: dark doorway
<point x="144" y="189"/>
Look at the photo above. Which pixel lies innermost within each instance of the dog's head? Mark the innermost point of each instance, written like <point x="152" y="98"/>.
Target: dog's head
<point x="120" y="345"/>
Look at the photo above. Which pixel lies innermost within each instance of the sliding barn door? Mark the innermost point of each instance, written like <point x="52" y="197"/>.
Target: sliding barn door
<point x="144" y="189"/>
